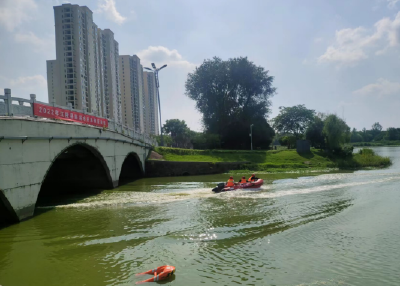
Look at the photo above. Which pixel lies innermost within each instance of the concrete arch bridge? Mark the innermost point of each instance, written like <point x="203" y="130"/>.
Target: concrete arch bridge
<point x="41" y="155"/>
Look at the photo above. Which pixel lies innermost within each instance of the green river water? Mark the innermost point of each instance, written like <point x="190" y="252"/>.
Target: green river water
<point x="326" y="229"/>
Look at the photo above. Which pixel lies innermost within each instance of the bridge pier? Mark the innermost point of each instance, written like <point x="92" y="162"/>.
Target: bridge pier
<point x="75" y="157"/>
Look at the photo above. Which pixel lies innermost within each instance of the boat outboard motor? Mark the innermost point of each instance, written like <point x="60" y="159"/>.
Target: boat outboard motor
<point x="219" y="187"/>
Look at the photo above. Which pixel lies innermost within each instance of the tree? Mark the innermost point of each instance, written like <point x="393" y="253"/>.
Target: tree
<point x="376" y="129"/>
<point x="293" y="120"/>
<point x="392" y="134"/>
<point x="355" y="136"/>
<point x="167" y="140"/>
<point x="205" y="141"/>
<point x="336" y="131"/>
<point x="232" y="95"/>
<point x="314" y="132"/>
<point x="178" y="131"/>
<point x="289" y="141"/>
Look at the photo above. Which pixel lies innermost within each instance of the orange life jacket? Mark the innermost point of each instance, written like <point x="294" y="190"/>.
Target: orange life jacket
<point x="251" y="179"/>
<point x="243" y="181"/>
<point x="230" y="183"/>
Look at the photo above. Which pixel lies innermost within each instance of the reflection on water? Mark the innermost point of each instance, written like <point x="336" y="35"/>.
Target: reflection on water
<point x="319" y="229"/>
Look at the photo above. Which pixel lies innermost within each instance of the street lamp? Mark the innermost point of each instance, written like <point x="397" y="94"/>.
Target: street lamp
<point x="251" y="136"/>
<point x="156" y="70"/>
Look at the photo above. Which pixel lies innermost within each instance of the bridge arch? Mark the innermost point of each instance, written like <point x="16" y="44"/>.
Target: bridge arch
<point x="77" y="167"/>
<point x="131" y="169"/>
<point x="31" y="151"/>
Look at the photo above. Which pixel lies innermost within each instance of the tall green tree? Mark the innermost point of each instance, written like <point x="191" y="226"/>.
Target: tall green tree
<point x="205" y="141"/>
<point x="178" y="131"/>
<point x="314" y="132"/>
<point x="355" y="136"/>
<point x="392" y="134"/>
<point x="336" y="131"/>
<point x="376" y="129"/>
<point x="168" y="142"/>
<point x="232" y="95"/>
<point x="293" y="120"/>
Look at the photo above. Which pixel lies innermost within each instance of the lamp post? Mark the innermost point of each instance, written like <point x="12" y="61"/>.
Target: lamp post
<point x="156" y="70"/>
<point x="251" y="136"/>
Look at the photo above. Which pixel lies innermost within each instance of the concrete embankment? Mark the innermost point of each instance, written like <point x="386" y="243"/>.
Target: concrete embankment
<point x="156" y="168"/>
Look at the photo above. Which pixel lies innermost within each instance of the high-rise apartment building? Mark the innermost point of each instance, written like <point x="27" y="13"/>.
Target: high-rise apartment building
<point x="85" y="72"/>
<point x="132" y="92"/>
<point x="110" y="74"/>
<point x="53" y="80"/>
<point x="151" y="103"/>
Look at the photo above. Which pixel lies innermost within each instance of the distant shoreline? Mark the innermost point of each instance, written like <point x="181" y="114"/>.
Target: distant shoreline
<point x="376" y="144"/>
<point x="269" y="161"/>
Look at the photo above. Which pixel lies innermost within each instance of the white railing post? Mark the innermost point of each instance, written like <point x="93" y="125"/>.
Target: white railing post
<point x="33" y="100"/>
<point x="7" y="94"/>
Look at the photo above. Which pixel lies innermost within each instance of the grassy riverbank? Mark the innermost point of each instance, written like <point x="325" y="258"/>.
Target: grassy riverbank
<point x="276" y="160"/>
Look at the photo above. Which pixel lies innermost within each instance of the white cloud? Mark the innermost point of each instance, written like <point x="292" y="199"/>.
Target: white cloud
<point x="111" y="12"/>
<point x="23" y="86"/>
<point x="162" y="55"/>
<point x="392" y="3"/>
<point x="29" y="81"/>
<point x="354" y="45"/>
<point x="382" y="87"/>
<point x="318" y="40"/>
<point x="39" y="44"/>
<point x="14" y="12"/>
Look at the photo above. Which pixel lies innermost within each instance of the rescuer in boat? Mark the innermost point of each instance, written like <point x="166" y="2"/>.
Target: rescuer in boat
<point x="243" y="181"/>
<point x="252" y="179"/>
<point x="230" y="182"/>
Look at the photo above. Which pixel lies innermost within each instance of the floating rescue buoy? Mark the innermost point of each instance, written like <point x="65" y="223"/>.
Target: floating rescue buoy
<point x="160" y="273"/>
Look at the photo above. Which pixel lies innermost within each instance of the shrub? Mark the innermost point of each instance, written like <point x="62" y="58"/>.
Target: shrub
<point x="342" y="152"/>
<point x="366" y="151"/>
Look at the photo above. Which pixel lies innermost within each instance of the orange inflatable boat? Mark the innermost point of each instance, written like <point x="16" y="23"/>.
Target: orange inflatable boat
<point x="160" y="273"/>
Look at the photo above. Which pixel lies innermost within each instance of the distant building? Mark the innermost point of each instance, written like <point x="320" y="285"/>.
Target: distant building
<point x="151" y="100"/>
<point x="85" y="72"/>
<point x="110" y="74"/>
<point x="132" y="93"/>
<point x="53" y="80"/>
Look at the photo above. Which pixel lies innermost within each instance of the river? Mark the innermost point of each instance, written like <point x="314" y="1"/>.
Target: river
<point x="319" y="229"/>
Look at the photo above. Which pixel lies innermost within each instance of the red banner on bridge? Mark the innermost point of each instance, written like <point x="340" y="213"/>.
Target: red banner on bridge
<point x="47" y="111"/>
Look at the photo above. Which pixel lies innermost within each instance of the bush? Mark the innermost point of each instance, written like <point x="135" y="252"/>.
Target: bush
<point x="364" y="158"/>
<point x="366" y="151"/>
<point x="342" y="152"/>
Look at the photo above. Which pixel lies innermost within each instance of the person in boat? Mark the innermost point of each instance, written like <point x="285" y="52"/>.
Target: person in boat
<point x="230" y="182"/>
<point x="243" y="180"/>
<point x="253" y="178"/>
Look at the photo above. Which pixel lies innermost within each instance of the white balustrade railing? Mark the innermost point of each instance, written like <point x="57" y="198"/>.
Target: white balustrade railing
<point x="7" y="108"/>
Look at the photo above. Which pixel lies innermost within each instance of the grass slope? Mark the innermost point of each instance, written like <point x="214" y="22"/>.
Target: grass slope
<point x="271" y="159"/>
<point x="275" y="159"/>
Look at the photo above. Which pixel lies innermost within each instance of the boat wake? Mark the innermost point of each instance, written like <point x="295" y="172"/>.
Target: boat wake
<point x="279" y="188"/>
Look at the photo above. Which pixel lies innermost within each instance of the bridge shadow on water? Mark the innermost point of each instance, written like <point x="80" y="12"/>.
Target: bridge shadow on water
<point x="79" y="173"/>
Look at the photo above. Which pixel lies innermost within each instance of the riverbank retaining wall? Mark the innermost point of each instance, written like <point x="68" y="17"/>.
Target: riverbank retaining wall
<point x="156" y="168"/>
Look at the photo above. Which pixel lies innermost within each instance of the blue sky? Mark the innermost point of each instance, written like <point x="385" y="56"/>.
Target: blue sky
<point x="337" y="56"/>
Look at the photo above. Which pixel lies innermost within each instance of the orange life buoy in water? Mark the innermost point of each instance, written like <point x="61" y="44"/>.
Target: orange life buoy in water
<point x="160" y="273"/>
